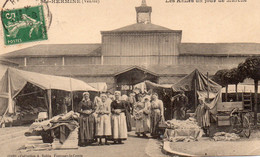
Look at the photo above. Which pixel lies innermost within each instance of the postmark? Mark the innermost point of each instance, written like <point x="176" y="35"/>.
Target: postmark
<point x="24" y="25"/>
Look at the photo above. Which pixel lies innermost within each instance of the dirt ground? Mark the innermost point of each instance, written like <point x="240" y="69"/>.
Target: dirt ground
<point x="209" y="147"/>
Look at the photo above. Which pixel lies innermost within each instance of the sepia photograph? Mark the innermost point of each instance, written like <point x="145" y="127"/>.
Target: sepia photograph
<point x="129" y="78"/>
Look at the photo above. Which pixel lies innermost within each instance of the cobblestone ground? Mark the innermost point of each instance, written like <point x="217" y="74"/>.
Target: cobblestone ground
<point x="13" y="138"/>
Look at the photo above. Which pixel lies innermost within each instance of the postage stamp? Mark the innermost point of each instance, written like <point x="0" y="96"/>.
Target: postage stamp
<point x="24" y="25"/>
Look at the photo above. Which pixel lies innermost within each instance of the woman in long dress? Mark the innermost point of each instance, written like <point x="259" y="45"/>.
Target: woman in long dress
<point x="202" y="116"/>
<point x="157" y="115"/>
<point x="140" y="117"/>
<point x="119" y="127"/>
<point x="103" y="122"/>
<point x="128" y="112"/>
<point x="147" y="113"/>
<point x="86" y="120"/>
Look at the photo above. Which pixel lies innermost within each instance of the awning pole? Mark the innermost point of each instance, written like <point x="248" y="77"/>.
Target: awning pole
<point x="49" y="101"/>
<point x="207" y="86"/>
<point x="10" y="104"/>
<point x="195" y="93"/>
<point x="71" y="95"/>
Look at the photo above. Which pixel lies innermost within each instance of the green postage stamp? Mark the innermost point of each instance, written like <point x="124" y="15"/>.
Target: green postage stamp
<point x="24" y="25"/>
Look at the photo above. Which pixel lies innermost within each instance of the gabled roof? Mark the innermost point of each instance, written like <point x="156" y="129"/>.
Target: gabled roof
<point x="57" y="50"/>
<point x="220" y="49"/>
<point x="135" y="67"/>
<point x="141" y="27"/>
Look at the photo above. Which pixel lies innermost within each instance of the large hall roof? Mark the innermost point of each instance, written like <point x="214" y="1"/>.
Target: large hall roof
<point x="220" y="49"/>
<point x="57" y="50"/>
<point x="112" y="70"/>
<point x="141" y="27"/>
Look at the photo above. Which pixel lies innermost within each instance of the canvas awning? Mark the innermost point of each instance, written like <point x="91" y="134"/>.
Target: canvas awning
<point x="188" y="83"/>
<point x="14" y="80"/>
<point x="19" y="78"/>
<point x="147" y="85"/>
<point x="203" y="88"/>
<point x="100" y="86"/>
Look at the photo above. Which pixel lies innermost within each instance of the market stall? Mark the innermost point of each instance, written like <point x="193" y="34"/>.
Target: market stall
<point x="16" y="83"/>
<point x="197" y="87"/>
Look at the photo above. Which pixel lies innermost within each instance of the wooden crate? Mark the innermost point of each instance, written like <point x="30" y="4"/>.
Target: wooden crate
<point x="229" y="106"/>
<point x="223" y="120"/>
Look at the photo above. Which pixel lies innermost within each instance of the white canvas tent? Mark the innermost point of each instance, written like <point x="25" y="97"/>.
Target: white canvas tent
<point x="147" y="85"/>
<point x="14" y="80"/>
<point x="100" y="86"/>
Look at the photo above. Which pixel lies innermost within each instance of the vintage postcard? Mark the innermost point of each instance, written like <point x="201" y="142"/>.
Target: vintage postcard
<point x="94" y="78"/>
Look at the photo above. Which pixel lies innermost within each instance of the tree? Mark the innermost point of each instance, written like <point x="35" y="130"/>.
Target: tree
<point x="251" y="69"/>
<point x="221" y="77"/>
<point x="235" y="77"/>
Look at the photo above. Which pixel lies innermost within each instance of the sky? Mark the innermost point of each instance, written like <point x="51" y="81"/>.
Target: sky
<point x="200" y="22"/>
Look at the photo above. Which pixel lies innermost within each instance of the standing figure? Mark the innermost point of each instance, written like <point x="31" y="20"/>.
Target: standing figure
<point x="141" y="116"/>
<point x="131" y="100"/>
<point x="180" y="103"/>
<point x="86" y="120"/>
<point x="128" y="111"/>
<point x="119" y="127"/>
<point x="157" y="115"/>
<point x="103" y="122"/>
<point x="168" y="115"/>
<point x="202" y="116"/>
<point x="147" y="113"/>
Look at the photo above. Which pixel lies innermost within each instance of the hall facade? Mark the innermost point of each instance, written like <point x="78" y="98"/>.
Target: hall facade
<point x="132" y="54"/>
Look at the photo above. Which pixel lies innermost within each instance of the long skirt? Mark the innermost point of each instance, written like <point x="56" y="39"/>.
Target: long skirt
<point x="142" y="125"/>
<point x="87" y="128"/>
<point x="139" y="125"/>
<point x="128" y="121"/>
<point x="155" y="119"/>
<point x="103" y="125"/>
<point x="146" y="123"/>
<point x="119" y="128"/>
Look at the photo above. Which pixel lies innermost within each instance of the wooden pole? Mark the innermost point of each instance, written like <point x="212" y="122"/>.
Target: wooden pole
<point x="10" y="102"/>
<point x="71" y="95"/>
<point x="255" y="107"/>
<point x="49" y="102"/>
<point x="207" y="87"/>
<point x="236" y="92"/>
<point x="226" y="95"/>
<point x="195" y="93"/>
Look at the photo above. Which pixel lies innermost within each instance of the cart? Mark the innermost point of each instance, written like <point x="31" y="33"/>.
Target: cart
<point x="236" y="115"/>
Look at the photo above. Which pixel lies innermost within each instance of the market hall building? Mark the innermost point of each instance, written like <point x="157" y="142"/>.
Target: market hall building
<point x="132" y="54"/>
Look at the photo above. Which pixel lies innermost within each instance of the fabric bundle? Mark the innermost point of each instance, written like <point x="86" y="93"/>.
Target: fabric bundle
<point x="182" y="124"/>
<point x="223" y="136"/>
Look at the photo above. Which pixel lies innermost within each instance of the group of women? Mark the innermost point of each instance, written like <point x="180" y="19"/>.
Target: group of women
<point x="109" y="117"/>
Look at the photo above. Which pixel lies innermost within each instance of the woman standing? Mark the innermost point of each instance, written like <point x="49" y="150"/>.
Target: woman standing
<point x="157" y="114"/>
<point x="103" y="123"/>
<point x="147" y="113"/>
<point x="86" y="120"/>
<point x="128" y="112"/>
<point x="202" y="116"/>
<point x="139" y="108"/>
<point x="119" y="128"/>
